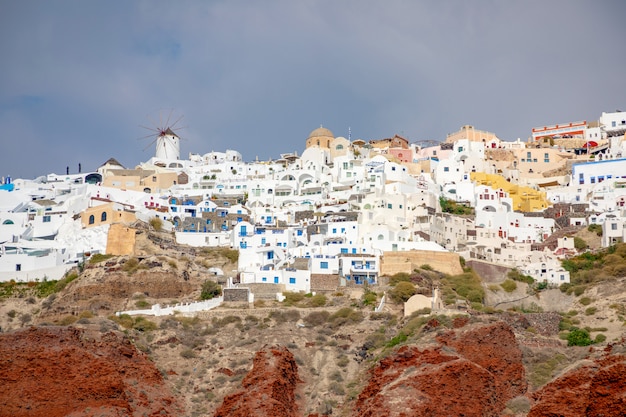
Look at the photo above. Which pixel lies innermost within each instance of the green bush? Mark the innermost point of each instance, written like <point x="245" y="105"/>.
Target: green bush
<point x="396" y="340"/>
<point x="590" y="311"/>
<point x="210" y="289"/>
<point x="98" y="257"/>
<point x="369" y="298"/>
<point x="578" y="337"/>
<point x="585" y="301"/>
<point x="516" y="275"/>
<point x="292" y="298"/>
<point x="318" y="300"/>
<point x="599" y="338"/>
<point x="595" y="228"/>
<point x="509" y="285"/>
<point x="579" y="243"/>
<point x="399" y="277"/>
<point x="142" y="324"/>
<point x="345" y="315"/>
<point x="402" y="292"/>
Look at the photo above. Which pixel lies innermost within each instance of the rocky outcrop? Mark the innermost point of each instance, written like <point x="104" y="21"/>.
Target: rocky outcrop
<point x="595" y="388"/>
<point x="61" y="371"/>
<point x="472" y="371"/>
<point x="269" y="389"/>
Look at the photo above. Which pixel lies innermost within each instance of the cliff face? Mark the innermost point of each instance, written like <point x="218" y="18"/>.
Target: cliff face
<point x="268" y="390"/>
<point x="61" y="371"/>
<point x="473" y="371"/>
<point x="596" y="388"/>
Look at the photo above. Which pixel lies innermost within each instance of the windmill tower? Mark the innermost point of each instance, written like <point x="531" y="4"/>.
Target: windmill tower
<point x="167" y="141"/>
<point x="167" y="145"/>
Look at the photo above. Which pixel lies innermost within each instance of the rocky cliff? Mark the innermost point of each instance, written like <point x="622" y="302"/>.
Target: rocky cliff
<point x="268" y="390"/>
<point x="65" y="371"/>
<point x="468" y="372"/>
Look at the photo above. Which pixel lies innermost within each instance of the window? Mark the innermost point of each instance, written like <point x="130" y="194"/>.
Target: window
<point x="529" y="155"/>
<point x="270" y="255"/>
<point x="592" y="180"/>
<point x="323" y="265"/>
<point x="334" y="230"/>
<point x="446" y="169"/>
<point x="546" y="157"/>
<point x="264" y="279"/>
<point x="92" y="219"/>
<point x="344" y="250"/>
<point x="18" y="267"/>
<point x="46" y="219"/>
<point x="581" y="179"/>
<point x="276" y="280"/>
<point x="389" y="206"/>
<point x="292" y="280"/>
<point x="299" y="233"/>
<point x="613" y="226"/>
<point x="103" y="216"/>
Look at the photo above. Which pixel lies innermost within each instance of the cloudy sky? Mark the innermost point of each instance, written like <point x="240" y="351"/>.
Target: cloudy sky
<point x="78" y="79"/>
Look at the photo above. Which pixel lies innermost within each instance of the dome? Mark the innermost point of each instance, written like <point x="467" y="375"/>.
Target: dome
<point x="321" y="132"/>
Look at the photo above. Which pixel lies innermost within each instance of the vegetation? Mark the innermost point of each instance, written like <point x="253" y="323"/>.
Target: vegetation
<point x="592" y="267"/>
<point x="579" y="243"/>
<point x="466" y="286"/>
<point x="96" y="258"/>
<point x="449" y="206"/>
<point x="595" y="228"/>
<point x="210" y="289"/>
<point x="156" y="223"/>
<point x="402" y="292"/>
<point x="516" y="275"/>
<point x="578" y="337"/>
<point x="509" y="285"/>
<point x="132" y="265"/>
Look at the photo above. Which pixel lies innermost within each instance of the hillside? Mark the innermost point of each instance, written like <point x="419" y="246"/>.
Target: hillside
<point x="310" y="356"/>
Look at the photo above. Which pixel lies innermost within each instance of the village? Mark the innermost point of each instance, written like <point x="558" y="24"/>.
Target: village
<point x="343" y="212"/>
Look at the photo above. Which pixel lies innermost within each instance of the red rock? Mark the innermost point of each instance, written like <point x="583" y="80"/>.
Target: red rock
<point x="597" y="388"/>
<point x="59" y="371"/>
<point x="472" y="372"/>
<point x="269" y="389"/>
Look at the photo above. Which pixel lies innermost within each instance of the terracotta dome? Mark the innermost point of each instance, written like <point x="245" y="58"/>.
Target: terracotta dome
<point x="321" y="132"/>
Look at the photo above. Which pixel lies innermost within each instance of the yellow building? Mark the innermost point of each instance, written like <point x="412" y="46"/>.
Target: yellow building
<point x="107" y="213"/>
<point x="147" y="180"/>
<point x="321" y="137"/>
<point x="524" y="199"/>
<point x="473" y="135"/>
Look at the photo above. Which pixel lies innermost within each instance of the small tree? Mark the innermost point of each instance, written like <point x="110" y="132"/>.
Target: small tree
<point x="578" y="337"/>
<point x="402" y="291"/>
<point x="210" y="289"/>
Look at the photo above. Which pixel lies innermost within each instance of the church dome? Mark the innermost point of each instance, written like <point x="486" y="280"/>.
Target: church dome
<point x="321" y="132"/>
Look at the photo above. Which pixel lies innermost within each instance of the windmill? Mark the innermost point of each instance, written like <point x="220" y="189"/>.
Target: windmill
<point x="165" y="137"/>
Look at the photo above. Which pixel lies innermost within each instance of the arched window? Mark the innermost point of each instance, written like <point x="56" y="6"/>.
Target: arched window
<point x="92" y="219"/>
<point x="339" y="147"/>
<point x="381" y="237"/>
<point x="103" y="216"/>
<point x="8" y="221"/>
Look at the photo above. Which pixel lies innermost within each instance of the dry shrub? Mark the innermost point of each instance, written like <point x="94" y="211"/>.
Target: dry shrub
<point x="316" y="318"/>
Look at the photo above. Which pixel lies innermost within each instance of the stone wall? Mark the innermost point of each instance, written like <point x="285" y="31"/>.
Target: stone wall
<point x="488" y="272"/>
<point x="408" y="261"/>
<point x="120" y="240"/>
<point x="237" y="295"/>
<point x="264" y="291"/>
<point x="324" y="282"/>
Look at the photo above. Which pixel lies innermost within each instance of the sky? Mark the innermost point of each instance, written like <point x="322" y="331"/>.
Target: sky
<point x="79" y="79"/>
